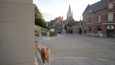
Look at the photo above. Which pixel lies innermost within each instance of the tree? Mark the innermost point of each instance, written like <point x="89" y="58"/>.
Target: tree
<point x="38" y="18"/>
<point x="39" y="22"/>
<point x="70" y="22"/>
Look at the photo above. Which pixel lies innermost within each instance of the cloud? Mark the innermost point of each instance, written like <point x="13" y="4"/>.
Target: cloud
<point x="47" y="16"/>
<point x="54" y="8"/>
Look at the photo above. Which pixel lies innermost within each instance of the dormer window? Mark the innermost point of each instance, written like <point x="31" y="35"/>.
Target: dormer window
<point x="110" y="5"/>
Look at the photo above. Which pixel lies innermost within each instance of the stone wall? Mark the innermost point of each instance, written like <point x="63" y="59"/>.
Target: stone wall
<point x="16" y="32"/>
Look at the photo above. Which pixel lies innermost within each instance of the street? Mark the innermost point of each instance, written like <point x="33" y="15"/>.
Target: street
<point x="74" y="49"/>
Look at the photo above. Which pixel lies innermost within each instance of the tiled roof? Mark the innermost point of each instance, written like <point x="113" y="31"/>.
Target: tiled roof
<point x="59" y="20"/>
<point x="95" y="7"/>
<point x="55" y="21"/>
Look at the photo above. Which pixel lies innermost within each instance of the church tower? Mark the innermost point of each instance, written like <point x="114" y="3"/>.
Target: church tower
<point x="69" y="13"/>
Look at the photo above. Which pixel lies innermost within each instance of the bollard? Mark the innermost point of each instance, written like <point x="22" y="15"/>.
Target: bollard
<point x="36" y="45"/>
<point x="43" y="55"/>
<point x="47" y="55"/>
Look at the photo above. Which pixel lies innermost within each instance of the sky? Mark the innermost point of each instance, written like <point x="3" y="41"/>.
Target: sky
<point x="51" y="9"/>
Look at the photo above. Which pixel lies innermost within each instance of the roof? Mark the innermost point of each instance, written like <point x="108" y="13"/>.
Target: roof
<point x="59" y="20"/>
<point x="77" y="24"/>
<point x="52" y="22"/>
<point x="56" y="21"/>
<point x="95" y="7"/>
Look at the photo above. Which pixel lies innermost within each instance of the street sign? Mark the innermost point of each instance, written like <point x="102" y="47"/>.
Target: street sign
<point x="110" y="27"/>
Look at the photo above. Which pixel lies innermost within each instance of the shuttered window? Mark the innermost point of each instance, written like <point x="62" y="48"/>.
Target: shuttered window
<point x="110" y="16"/>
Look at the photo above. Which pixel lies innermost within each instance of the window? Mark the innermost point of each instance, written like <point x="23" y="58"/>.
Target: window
<point x="99" y="19"/>
<point x="99" y="28"/>
<point x="89" y="29"/>
<point x="110" y="16"/>
<point x="110" y="6"/>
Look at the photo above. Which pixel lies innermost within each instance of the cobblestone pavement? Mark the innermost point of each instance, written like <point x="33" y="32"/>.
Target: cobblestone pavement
<point x="79" y="49"/>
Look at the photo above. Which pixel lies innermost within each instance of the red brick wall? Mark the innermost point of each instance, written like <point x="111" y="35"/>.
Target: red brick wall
<point x="91" y="20"/>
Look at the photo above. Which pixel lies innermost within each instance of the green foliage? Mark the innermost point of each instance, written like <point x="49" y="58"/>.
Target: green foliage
<point x="46" y="30"/>
<point x="70" y="22"/>
<point x="65" y="28"/>
<point x="40" y="22"/>
<point x="38" y="18"/>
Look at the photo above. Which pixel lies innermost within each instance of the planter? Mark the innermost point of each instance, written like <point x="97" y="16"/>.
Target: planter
<point x="44" y="34"/>
<point x="36" y="34"/>
<point x="53" y="34"/>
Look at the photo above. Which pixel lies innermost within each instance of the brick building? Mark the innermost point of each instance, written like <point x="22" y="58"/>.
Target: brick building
<point x="76" y="28"/>
<point x="99" y="19"/>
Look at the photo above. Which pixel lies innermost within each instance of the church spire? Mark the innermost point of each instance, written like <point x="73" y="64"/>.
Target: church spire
<point x="69" y="9"/>
<point x="69" y="13"/>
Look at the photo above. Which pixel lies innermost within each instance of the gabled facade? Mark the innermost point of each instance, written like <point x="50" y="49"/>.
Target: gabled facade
<point x="99" y="19"/>
<point x="56" y="24"/>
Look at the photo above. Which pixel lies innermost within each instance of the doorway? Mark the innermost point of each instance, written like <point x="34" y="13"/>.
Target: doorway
<point x="110" y="33"/>
<point x="80" y="31"/>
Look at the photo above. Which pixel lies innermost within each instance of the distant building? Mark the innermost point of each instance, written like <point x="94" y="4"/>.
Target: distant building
<point x="56" y="24"/>
<point x="69" y="13"/>
<point x="99" y="19"/>
<point x="76" y="28"/>
<point x="69" y="16"/>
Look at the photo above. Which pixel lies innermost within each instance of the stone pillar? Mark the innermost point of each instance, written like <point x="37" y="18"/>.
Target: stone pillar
<point x="17" y="32"/>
